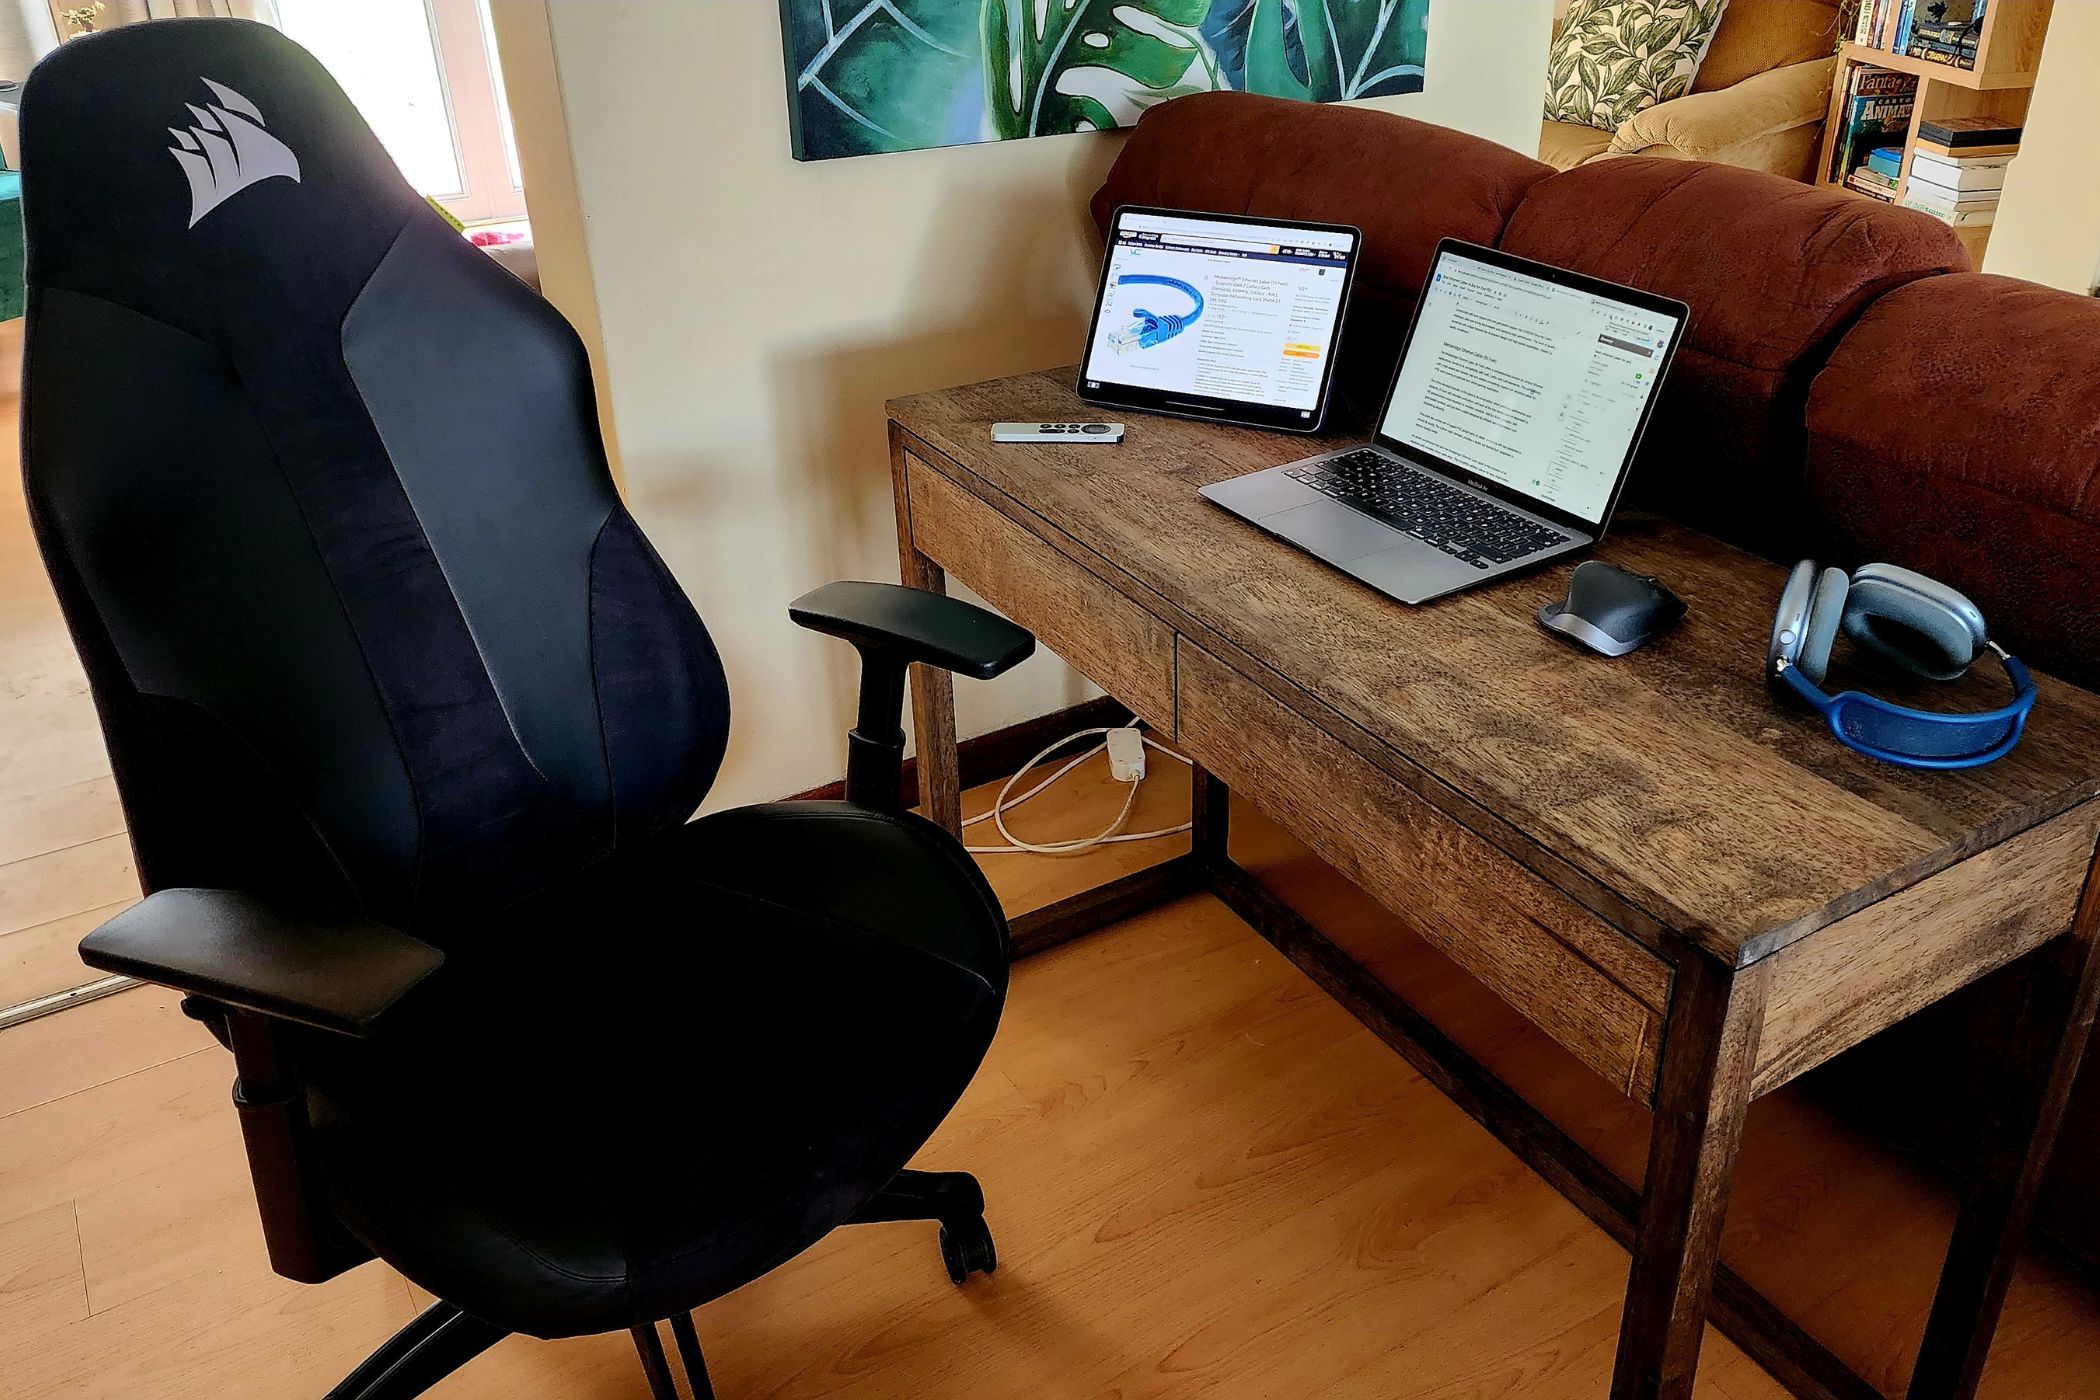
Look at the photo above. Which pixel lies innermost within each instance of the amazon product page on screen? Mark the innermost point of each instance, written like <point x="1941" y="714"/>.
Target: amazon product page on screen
<point x="1527" y="383"/>
<point x="1220" y="310"/>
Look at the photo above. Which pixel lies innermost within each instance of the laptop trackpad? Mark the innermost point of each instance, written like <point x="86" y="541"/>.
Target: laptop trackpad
<point x="1332" y="531"/>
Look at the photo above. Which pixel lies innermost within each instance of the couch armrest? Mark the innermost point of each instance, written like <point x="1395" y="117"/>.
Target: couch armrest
<point x="1703" y="125"/>
<point x="335" y="971"/>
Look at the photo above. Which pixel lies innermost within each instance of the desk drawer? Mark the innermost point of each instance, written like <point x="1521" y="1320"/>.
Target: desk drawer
<point x="1120" y="647"/>
<point x="1482" y="909"/>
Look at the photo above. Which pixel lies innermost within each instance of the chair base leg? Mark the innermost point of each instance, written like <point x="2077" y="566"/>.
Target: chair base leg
<point x="657" y="1366"/>
<point x="440" y="1341"/>
<point x="952" y="1198"/>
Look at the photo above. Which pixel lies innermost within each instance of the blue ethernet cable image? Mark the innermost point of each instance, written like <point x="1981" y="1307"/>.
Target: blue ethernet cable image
<point x="1147" y="328"/>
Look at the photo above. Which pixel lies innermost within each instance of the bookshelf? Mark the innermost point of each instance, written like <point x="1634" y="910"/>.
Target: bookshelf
<point x="2008" y="54"/>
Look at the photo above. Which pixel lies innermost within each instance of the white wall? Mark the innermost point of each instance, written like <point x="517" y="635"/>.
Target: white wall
<point x="2048" y="224"/>
<point x="756" y="313"/>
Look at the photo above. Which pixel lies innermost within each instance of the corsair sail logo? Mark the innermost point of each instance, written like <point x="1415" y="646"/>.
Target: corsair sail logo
<point x="225" y="150"/>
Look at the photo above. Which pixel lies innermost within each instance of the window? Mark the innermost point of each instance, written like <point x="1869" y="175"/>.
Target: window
<point x="424" y="74"/>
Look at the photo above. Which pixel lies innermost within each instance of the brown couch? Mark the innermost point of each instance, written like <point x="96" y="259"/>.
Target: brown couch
<point x="1846" y="388"/>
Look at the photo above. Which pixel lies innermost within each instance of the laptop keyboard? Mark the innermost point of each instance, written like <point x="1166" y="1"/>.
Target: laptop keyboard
<point x="1435" y="512"/>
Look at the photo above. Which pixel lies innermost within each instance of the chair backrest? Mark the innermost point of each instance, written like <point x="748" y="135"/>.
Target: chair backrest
<point x="323" y="496"/>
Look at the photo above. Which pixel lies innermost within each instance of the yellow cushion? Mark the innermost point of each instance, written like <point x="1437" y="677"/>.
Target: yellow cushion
<point x="1757" y="36"/>
<point x="1565" y="145"/>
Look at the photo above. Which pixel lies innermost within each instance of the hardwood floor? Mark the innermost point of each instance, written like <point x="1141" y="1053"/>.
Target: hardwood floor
<point x="1205" y="1178"/>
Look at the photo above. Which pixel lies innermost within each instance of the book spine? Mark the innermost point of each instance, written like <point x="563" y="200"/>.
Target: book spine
<point x="1842" y="143"/>
<point x="1881" y="82"/>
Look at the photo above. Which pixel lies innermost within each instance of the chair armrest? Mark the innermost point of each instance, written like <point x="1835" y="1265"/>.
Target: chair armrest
<point x="891" y="627"/>
<point x="334" y="971"/>
<point x="915" y="625"/>
<point x="1702" y="124"/>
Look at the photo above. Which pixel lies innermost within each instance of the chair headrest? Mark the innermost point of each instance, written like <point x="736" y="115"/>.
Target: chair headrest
<point x="169" y="165"/>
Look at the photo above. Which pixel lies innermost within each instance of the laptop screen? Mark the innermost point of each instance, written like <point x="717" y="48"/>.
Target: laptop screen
<point x="1538" y="383"/>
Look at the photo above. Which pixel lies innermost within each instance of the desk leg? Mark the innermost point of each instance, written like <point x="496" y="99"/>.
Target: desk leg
<point x="932" y="691"/>
<point x="1210" y="814"/>
<point x="1702" y="1097"/>
<point x="2041" y="1062"/>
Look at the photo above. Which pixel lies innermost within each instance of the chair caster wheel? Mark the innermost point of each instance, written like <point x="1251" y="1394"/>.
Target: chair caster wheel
<point x="967" y="1249"/>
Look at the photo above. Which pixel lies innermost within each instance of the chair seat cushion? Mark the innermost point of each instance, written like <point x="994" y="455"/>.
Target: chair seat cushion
<point x="654" y="1087"/>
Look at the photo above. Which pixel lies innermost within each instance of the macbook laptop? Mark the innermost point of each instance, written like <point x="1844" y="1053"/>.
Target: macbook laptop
<point x="1504" y="441"/>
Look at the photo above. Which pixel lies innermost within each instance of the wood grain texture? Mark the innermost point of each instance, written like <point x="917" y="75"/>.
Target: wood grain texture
<point x="1504" y="925"/>
<point x="1206" y="1180"/>
<point x="1827" y="1226"/>
<point x="1666" y="790"/>
<point x="932" y="689"/>
<point x="1108" y="639"/>
<point x="2048" y="1046"/>
<point x="1867" y="972"/>
<point x="1702" y="1100"/>
<point x="1206" y="1183"/>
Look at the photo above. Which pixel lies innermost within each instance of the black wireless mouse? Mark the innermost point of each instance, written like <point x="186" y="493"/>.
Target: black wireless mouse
<point x="1611" y="610"/>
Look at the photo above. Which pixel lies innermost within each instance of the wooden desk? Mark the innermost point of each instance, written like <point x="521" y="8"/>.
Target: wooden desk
<point x="1687" y="884"/>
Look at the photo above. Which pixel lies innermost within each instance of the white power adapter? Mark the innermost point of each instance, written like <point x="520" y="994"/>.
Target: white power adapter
<point x="1126" y="755"/>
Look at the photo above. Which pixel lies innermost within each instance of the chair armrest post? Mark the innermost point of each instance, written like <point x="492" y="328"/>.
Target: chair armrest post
<point x="875" y="748"/>
<point x="250" y="967"/>
<point x="306" y="1242"/>
<point x="892" y="628"/>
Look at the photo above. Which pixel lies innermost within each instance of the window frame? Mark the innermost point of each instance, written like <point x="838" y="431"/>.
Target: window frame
<point x="462" y="45"/>
<point x="468" y="73"/>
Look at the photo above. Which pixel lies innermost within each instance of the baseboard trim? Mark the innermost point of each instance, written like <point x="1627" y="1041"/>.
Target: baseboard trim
<point x="997" y="754"/>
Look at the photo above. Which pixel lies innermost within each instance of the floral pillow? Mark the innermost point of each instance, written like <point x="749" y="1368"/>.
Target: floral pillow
<point x="1613" y="58"/>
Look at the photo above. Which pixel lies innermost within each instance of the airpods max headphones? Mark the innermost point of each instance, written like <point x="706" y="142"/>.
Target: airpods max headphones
<point x="1913" y="624"/>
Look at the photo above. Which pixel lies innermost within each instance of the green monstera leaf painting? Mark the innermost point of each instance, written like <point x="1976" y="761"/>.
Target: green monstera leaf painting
<point x="896" y="75"/>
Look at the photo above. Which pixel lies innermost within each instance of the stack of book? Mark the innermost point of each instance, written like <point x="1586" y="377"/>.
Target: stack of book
<point x="1881" y="175"/>
<point x="1947" y="33"/>
<point x="1957" y="170"/>
<point x="1944" y="31"/>
<point x="1875" y="113"/>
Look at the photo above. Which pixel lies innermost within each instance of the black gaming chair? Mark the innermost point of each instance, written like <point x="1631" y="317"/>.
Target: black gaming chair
<point x="408" y="719"/>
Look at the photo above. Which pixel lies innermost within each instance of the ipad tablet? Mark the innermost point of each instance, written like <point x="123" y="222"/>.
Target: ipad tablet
<point x="1219" y="316"/>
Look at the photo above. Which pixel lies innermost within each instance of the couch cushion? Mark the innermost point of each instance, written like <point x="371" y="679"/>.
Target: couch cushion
<point x="1956" y="430"/>
<point x="1773" y="271"/>
<point x="1404" y="183"/>
<point x="1565" y="145"/>
<point x="1760" y="35"/>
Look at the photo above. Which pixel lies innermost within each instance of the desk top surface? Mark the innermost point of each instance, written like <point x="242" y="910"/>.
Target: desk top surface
<point x="1672" y="776"/>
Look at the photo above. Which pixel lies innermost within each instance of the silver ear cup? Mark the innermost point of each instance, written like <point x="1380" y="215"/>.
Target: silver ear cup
<point x="1929" y="631"/>
<point x="1826" y="609"/>
<point x="1790" y="619"/>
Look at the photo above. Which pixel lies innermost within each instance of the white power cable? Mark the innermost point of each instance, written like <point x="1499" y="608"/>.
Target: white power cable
<point x="1113" y="833"/>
